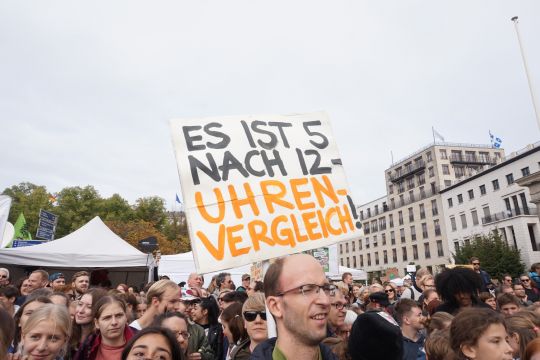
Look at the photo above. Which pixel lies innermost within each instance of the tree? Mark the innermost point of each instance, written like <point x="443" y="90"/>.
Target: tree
<point x="116" y="208"/>
<point x="152" y="210"/>
<point x="28" y="198"/>
<point x="76" y="207"/>
<point x="496" y="257"/>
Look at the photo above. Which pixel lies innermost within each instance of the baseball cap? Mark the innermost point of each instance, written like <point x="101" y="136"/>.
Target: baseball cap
<point x="56" y="276"/>
<point x="246" y="276"/>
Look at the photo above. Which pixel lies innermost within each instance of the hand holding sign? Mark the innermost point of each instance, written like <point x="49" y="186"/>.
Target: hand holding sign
<point x="261" y="187"/>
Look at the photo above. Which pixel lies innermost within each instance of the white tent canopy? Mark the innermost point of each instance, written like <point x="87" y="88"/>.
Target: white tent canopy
<point x="356" y="273"/>
<point x="94" y="245"/>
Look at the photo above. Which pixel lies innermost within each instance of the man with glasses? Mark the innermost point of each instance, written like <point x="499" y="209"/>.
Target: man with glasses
<point x="4" y="277"/>
<point x="486" y="279"/>
<point x="528" y="286"/>
<point x="298" y="296"/>
<point x="336" y="316"/>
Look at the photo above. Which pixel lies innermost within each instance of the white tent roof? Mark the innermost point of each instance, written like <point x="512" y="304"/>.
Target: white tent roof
<point x="94" y="245"/>
<point x="356" y="273"/>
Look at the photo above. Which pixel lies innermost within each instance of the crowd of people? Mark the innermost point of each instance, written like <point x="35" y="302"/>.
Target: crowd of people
<point x="458" y="314"/>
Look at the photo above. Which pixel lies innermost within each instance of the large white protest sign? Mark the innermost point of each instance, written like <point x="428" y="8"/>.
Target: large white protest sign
<point x="259" y="187"/>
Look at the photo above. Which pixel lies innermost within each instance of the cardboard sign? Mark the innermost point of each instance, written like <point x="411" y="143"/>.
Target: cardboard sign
<point x="260" y="187"/>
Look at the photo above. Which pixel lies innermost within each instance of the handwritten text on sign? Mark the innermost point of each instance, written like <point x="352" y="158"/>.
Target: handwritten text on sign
<point x="258" y="187"/>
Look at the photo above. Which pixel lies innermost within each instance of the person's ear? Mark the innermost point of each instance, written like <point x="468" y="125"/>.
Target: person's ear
<point x="469" y="351"/>
<point x="275" y="306"/>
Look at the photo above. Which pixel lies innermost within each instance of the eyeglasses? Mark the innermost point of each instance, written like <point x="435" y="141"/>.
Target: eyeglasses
<point x="3" y="276"/>
<point x="252" y="315"/>
<point x="525" y="280"/>
<point x="184" y="334"/>
<point x="311" y="290"/>
<point x="508" y="280"/>
<point x="339" y="306"/>
<point x="389" y="291"/>
<point x="476" y="263"/>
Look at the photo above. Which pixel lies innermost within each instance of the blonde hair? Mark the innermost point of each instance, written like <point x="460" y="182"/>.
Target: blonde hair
<point x="49" y="312"/>
<point x="158" y="289"/>
<point x="255" y="302"/>
<point x="524" y="328"/>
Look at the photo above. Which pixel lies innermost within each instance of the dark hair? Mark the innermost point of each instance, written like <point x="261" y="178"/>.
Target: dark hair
<point x="259" y="286"/>
<point x="485" y="296"/>
<point x="235" y="296"/>
<point x="18" y="315"/>
<point x="469" y="325"/>
<point x="523" y="327"/>
<point x="176" y="352"/>
<point x="437" y="345"/>
<point x="344" y="275"/>
<point x="402" y="307"/>
<point x="158" y="320"/>
<point x="507" y="298"/>
<point x="103" y="302"/>
<point x="9" y="291"/>
<point x="220" y="279"/>
<point x="438" y="321"/>
<point x="62" y="295"/>
<point x="473" y="258"/>
<point x="272" y="277"/>
<point x="76" y="329"/>
<point x="79" y="274"/>
<point x="458" y="280"/>
<point x="7" y="330"/>
<point x="210" y="305"/>
<point x="232" y="315"/>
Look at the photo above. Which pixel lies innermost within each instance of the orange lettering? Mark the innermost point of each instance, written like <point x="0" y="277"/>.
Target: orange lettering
<point x="299" y="237"/>
<point x="258" y="235"/>
<point x="323" y="223"/>
<point x="233" y="240"/>
<point x="284" y="236"/>
<point x="327" y="189"/>
<point x="308" y="218"/>
<point x="345" y="218"/>
<point x="299" y="195"/>
<point x="218" y="252"/>
<point x="202" y="208"/>
<point x="271" y="199"/>
<point x="328" y="221"/>
<point x="237" y="203"/>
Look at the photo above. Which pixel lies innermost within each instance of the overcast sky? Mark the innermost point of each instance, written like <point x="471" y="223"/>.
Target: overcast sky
<point x="87" y="88"/>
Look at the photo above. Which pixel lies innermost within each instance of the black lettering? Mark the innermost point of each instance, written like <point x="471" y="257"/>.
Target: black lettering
<point x="302" y="161"/>
<point x="316" y="169"/>
<point x="248" y="134"/>
<point x="190" y="139"/>
<point x="276" y="161"/>
<point x="250" y="168"/>
<point x="255" y="126"/>
<point x="324" y="140"/>
<point x="231" y="163"/>
<point x="211" y="171"/>
<point x="280" y="126"/>
<point x="225" y="139"/>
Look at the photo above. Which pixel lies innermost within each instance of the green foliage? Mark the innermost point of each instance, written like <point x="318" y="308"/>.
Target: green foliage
<point x="151" y="209"/>
<point x="496" y="257"/>
<point x="76" y="206"/>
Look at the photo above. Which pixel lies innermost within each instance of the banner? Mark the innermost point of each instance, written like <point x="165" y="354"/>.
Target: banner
<point x="260" y="187"/>
<point x="5" y="205"/>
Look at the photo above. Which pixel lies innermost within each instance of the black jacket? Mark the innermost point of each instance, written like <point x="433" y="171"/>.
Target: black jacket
<point x="264" y="350"/>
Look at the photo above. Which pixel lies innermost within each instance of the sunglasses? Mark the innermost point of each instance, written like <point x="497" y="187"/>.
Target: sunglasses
<point x="252" y="315"/>
<point x="476" y="263"/>
<point x="389" y="291"/>
<point x="3" y="276"/>
<point x="525" y="280"/>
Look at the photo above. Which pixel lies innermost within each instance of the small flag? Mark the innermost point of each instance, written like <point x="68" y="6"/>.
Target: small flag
<point x="21" y="229"/>
<point x="178" y="199"/>
<point x="437" y="135"/>
<point x="495" y="141"/>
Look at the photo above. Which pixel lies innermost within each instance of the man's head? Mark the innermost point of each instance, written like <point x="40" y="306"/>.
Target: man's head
<point x="4" y="276"/>
<point x="347" y="278"/>
<point x="246" y="279"/>
<point x="8" y="295"/>
<point x="230" y="297"/>
<point x="526" y="281"/>
<point x="378" y="301"/>
<point x="80" y="282"/>
<point x="507" y="279"/>
<point x="409" y="314"/>
<point x="507" y="289"/>
<point x="223" y="281"/>
<point x="298" y="295"/>
<point x="38" y="279"/>
<point x="195" y="280"/>
<point x="338" y="310"/>
<point x="475" y="262"/>
<point x="508" y="304"/>
<point x="163" y="296"/>
<point x="519" y="291"/>
<point x="57" y="281"/>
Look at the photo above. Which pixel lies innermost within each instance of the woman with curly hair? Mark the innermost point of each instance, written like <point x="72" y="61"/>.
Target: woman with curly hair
<point x="458" y="289"/>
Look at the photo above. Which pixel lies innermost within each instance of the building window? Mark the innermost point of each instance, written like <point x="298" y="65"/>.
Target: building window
<point x="495" y="184"/>
<point x="440" y="250"/>
<point x="446" y="170"/>
<point x="453" y="223"/>
<point x="347" y="248"/>
<point x="410" y="183"/>
<point x="463" y="221"/>
<point x="341" y="248"/>
<point x="460" y="199"/>
<point x="411" y="196"/>
<point x="367" y="243"/>
<point x="383" y="236"/>
<point x="402" y="235"/>
<point x="447" y="183"/>
<point x="368" y="259"/>
<point x="471" y="194"/>
<point x="424" y="231"/>
<point x="450" y="202"/>
<point x="482" y="189"/>
<point x="443" y="154"/>
<point x="353" y="246"/>
<point x="375" y="243"/>
<point x="413" y="233"/>
<point x="392" y="238"/>
<point x="377" y="258"/>
<point x="362" y="261"/>
<point x="391" y="220"/>
<point x="415" y="252"/>
<point x="354" y="262"/>
<point x="401" y="200"/>
<point x="487" y="213"/>
<point x="342" y="262"/>
<point x="431" y="172"/>
<point x="429" y="156"/>
<point x="525" y="171"/>
<point x="510" y="179"/>
<point x="422" y="211"/>
<point x="382" y="223"/>
<point x="404" y="253"/>
<point x="366" y="227"/>
<point x="422" y="192"/>
<point x="348" y="262"/>
<point x="400" y="217"/>
<point x="427" y="252"/>
<point x="394" y="255"/>
<point x="474" y="215"/>
<point x="411" y="214"/>
<point x="421" y="179"/>
<point x="433" y="188"/>
<point x="376" y="210"/>
<point x="437" y="227"/>
<point x="434" y="209"/>
<point x="401" y="188"/>
<point x="385" y="256"/>
<point x="460" y="171"/>
<point x="374" y="226"/>
<point x="360" y="244"/>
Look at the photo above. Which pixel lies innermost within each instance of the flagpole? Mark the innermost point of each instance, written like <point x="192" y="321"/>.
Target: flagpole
<point x="529" y="81"/>
<point x="433" y="133"/>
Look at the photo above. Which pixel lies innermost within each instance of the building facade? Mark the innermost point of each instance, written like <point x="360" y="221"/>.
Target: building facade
<point x="407" y="225"/>
<point x="492" y="200"/>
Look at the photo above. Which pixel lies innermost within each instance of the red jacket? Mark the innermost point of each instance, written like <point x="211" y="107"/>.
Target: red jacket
<point x="89" y="348"/>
